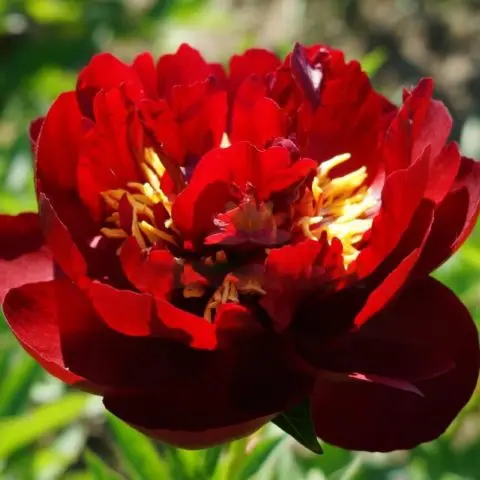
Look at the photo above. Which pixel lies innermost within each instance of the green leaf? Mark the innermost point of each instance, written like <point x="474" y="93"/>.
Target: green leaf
<point x="52" y="461"/>
<point x="16" y="385"/>
<point x="138" y="454"/>
<point x="98" y="468"/>
<point x="257" y="457"/>
<point x="210" y="461"/>
<point x="297" y="422"/>
<point x="373" y="61"/>
<point x="18" y="432"/>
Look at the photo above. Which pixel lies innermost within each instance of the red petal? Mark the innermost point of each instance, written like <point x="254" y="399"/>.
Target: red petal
<point x="420" y="123"/>
<point x="124" y="311"/>
<point x="382" y="418"/>
<point x="222" y="390"/>
<point x="201" y="113"/>
<point x="293" y="272"/>
<point x="255" y="61"/>
<point x="195" y="208"/>
<point x="106" y="357"/>
<point x="144" y="67"/>
<point x="454" y="219"/>
<point x="184" y="327"/>
<point x="443" y="171"/>
<point x="210" y="189"/>
<point x="34" y="132"/>
<point x="256" y="119"/>
<point x="23" y="256"/>
<point x="401" y="195"/>
<point x="58" y="238"/>
<point x="207" y="438"/>
<point x="308" y="77"/>
<point x="153" y="273"/>
<point x="184" y="67"/>
<point x="32" y="315"/>
<point x="398" y="267"/>
<point x="103" y="73"/>
<point x="107" y="159"/>
<point x="58" y="144"/>
<point x="162" y="124"/>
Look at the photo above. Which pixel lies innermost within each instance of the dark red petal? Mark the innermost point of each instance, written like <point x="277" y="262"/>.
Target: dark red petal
<point x="34" y="132"/>
<point x="222" y="390"/>
<point x="235" y="325"/>
<point x="124" y="311"/>
<point x="184" y="67"/>
<point x="103" y="73"/>
<point x="443" y="171"/>
<point x="161" y="123"/>
<point x="144" y="67"/>
<point x="255" y="61"/>
<point x="401" y="196"/>
<point x="153" y="273"/>
<point x="295" y="271"/>
<point x="420" y="123"/>
<point x="58" y="144"/>
<point x="194" y="210"/>
<point x="256" y="119"/>
<point x="106" y="357"/>
<point x="23" y="256"/>
<point x="383" y="418"/>
<point x="58" y="238"/>
<point x="207" y="438"/>
<point x="32" y="315"/>
<point x="201" y="113"/>
<point x="397" y="268"/>
<point x="184" y="327"/>
<point x="108" y="156"/>
<point x="308" y="77"/>
<point x="454" y="219"/>
<point x="348" y="120"/>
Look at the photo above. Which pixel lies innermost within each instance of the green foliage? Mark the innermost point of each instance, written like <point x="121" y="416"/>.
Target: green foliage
<point x="138" y="454"/>
<point x="297" y="422"/>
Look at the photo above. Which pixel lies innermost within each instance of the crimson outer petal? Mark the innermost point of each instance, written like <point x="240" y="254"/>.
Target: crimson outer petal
<point x="184" y="67"/>
<point x="24" y="258"/>
<point x="360" y="415"/>
<point x="150" y="381"/>
<point x="255" y="62"/>
<point x="32" y="316"/>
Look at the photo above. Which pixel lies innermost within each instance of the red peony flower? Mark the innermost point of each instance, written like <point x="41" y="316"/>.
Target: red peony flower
<point x="211" y="250"/>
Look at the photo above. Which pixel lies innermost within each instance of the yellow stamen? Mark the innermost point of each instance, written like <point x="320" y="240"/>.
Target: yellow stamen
<point x="229" y="291"/>
<point x="114" y="232"/>
<point x="154" y="234"/>
<point x="341" y="207"/>
<point x="142" y="197"/>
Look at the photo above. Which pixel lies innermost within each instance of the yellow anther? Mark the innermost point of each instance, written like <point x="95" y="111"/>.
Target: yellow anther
<point x="151" y="176"/>
<point x="325" y="167"/>
<point x="341" y="207"/>
<point x="154" y="234"/>
<point x="113" y="232"/>
<point x="154" y="162"/>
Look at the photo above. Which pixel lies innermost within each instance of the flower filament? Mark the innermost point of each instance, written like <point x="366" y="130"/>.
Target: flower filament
<point x="143" y="198"/>
<point x="341" y="207"/>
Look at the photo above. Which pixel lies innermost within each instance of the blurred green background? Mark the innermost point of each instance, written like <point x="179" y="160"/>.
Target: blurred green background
<point x="47" y="432"/>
